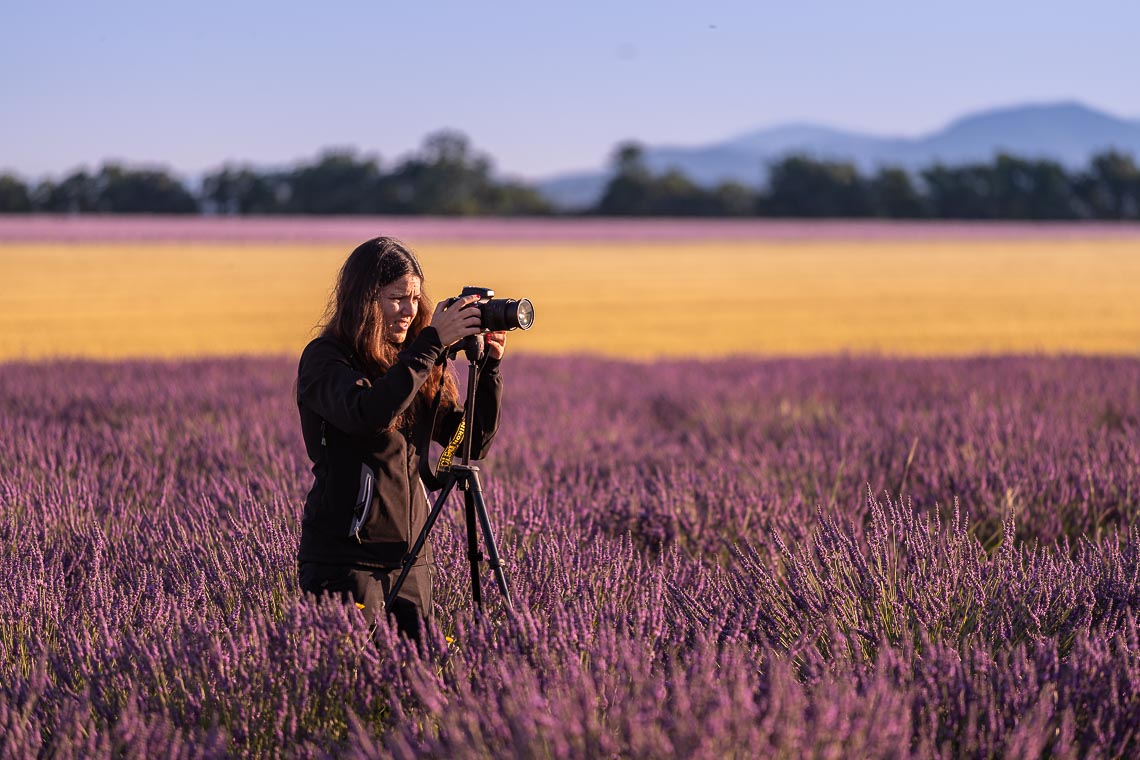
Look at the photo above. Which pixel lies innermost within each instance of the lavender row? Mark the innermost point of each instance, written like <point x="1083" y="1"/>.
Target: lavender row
<point x="708" y="559"/>
<point x="90" y="228"/>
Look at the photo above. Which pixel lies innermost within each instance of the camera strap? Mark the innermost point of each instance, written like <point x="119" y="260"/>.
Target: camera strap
<point x="434" y="481"/>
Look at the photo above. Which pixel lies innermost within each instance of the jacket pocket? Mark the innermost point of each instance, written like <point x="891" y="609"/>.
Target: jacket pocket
<point x="378" y="515"/>
<point x="364" y="498"/>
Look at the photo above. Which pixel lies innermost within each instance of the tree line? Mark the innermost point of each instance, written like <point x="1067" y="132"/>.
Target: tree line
<point x="446" y="176"/>
<point x="800" y="186"/>
<point x="450" y="178"/>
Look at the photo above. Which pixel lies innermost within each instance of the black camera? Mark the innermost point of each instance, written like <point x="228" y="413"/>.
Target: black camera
<point x="497" y="314"/>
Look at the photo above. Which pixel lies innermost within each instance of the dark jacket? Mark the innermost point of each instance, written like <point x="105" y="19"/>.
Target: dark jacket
<point x="368" y="504"/>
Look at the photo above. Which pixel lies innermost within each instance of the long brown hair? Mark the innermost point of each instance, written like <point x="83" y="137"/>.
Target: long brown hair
<point x="354" y="317"/>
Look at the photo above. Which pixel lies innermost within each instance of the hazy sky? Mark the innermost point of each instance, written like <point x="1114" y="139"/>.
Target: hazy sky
<point x="541" y="86"/>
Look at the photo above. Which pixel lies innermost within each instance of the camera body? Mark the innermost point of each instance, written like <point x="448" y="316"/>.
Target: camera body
<point x="498" y="314"/>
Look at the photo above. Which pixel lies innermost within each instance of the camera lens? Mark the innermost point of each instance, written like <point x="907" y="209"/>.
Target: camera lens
<point x="524" y="314"/>
<point x="506" y="314"/>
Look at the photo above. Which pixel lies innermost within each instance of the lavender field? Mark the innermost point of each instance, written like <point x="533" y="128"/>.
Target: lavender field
<point x="840" y="557"/>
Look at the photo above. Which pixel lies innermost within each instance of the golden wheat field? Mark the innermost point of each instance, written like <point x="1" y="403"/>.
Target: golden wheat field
<point x="630" y="299"/>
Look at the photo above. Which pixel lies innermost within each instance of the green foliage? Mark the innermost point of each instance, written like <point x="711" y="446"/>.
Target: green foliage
<point x="14" y="195"/>
<point x="449" y="177"/>
<point x="1110" y="189"/>
<point x="446" y="177"/>
<point x="635" y="191"/>
<point x="894" y="196"/>
<point x="129" y="191"/>
<point x="74" y="194"/>
<point x="242" y="190"/>
<point x="1010" y="188"/>
<point x="801" y="186"/>
<point x="628" y="193"/>
<point x="804" y="187"/>
<point x="338" y="183"/>
<point x="116" y="189"/>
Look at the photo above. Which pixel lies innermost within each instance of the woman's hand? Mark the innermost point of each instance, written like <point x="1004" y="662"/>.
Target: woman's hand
<point x="495" y="344"/>
<point x="456" y="322"/>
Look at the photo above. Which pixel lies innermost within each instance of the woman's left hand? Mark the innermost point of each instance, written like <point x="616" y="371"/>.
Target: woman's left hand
<point x="496" y="344"/>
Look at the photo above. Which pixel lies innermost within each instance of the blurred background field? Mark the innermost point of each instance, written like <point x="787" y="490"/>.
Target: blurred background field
<point x="642" y="291"/>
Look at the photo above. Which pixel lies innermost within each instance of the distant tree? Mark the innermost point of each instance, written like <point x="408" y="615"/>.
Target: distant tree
<point x="733" y="199"/>
<point x="1110" y="188"/>
<point x="513" y="199"/>
<point x="115" y="189"/>
<point x="243" y="190"/>
<point x="121" y="190"/>
<point x="894" y="196"/>
<point x="1008" y="188"/>
<point x="635" y="191"/>
<point x="1024" y="189"/>
<point x="339" y="182"/>
<point x="674" y="194"/>
<point x="800" y="186"/>
<point x="15" y="198"/>
<point x="630" y="190"/>
<point x="629" y="160"/>
<point x="445" y="177"/>
<point x="76" y="193"/>
<point x="961" y="192"/>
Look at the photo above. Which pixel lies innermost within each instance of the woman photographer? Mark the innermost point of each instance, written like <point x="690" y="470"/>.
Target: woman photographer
<point x="365" y="389"/>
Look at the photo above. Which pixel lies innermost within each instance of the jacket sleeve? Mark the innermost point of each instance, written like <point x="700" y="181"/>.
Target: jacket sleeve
<point x="488" y="405"/>
<point x="329" y="385"/>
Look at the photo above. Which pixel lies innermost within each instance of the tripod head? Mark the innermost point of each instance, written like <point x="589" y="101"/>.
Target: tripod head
<point x="471" y="346"/>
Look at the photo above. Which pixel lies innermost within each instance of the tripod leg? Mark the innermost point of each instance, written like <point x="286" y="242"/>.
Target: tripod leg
<point x="475" y="494"/>
<point x="418" y="546"/>
<point x="473" y="552"/>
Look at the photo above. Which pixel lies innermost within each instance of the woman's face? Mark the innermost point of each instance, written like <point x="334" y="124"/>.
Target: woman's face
<point x="399" y="302"/>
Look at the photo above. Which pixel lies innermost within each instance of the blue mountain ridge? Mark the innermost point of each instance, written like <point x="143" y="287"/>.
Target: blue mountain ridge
<point x="1067" y="132"/>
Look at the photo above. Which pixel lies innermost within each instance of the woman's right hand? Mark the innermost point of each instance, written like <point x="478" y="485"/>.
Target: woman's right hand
<point x="457" y="321"/>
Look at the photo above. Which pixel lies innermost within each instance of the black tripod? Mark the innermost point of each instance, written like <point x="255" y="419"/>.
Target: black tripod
<point x="466" y="477"/>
